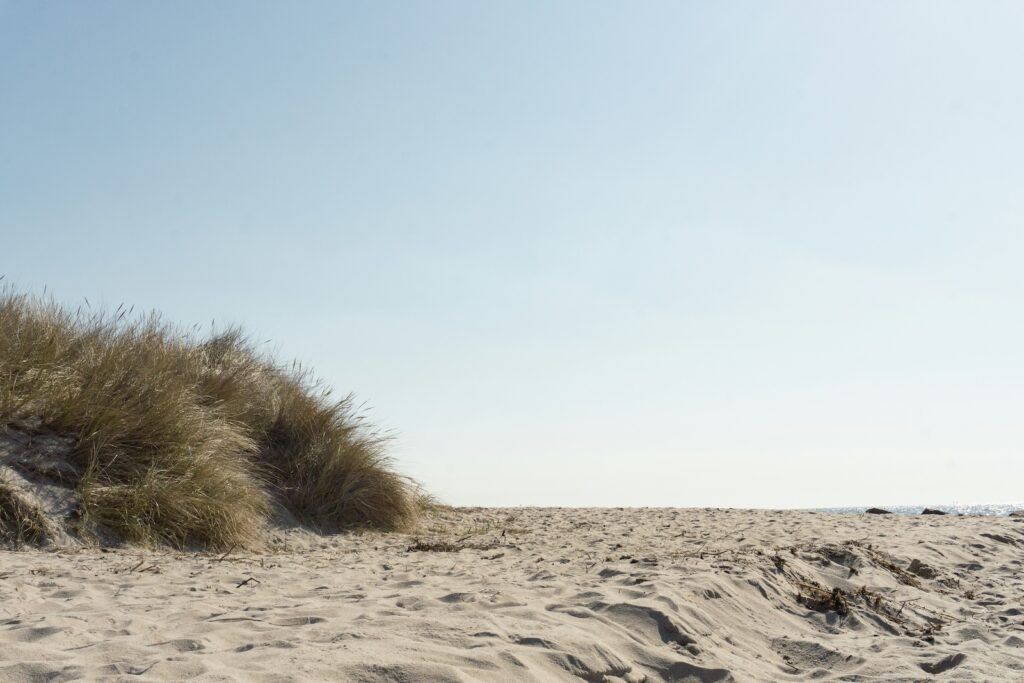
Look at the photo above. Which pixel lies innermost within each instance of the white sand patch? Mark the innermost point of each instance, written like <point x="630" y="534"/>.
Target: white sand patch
<point x="555" y="594"/>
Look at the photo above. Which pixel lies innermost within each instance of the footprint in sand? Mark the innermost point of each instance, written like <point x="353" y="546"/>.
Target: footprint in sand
<point x="279" y="644"/>
<point x="683" y="671"/>
<point x="648" y="623"/>
<point x="30" y="635"/>
<point x="182" y="645"/>
<point x="808" y="655"/>
<point x="944" y="664"/>
<point x="413" y="603"/>
<point x="531" y="641"/>
<point x="298" y="621"/>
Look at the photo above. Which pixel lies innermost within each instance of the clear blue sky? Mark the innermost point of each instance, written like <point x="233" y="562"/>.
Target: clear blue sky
<point x="719" y="253"/>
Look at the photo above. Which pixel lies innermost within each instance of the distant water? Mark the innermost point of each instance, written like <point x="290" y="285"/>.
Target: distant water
<point x="991" y="510"/>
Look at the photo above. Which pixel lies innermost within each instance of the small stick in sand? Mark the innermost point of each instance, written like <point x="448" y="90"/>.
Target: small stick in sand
<point x="904" y="604"/>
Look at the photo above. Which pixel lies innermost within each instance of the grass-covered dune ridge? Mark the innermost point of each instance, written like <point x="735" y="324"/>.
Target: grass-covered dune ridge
<point x="186" y="440"/>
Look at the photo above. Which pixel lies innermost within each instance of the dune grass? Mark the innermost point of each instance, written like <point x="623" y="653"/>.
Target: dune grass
<point x="191" y="441"/>
<point x="20" y="523"/>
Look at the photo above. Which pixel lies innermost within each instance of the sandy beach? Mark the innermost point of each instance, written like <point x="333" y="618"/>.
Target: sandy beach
<point x="538" y="594"/>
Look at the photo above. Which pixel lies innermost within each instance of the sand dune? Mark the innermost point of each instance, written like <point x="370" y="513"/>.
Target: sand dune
<point x="539" y="594"/>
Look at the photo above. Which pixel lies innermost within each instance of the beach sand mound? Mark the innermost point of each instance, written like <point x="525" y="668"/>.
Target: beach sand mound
<point x="539" y="594"/>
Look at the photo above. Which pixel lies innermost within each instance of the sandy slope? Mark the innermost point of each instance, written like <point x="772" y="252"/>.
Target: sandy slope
<point x="556" y="594"/>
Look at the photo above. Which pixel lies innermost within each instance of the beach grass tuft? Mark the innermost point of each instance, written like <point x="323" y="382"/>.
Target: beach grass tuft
<point x="191" y="440"/>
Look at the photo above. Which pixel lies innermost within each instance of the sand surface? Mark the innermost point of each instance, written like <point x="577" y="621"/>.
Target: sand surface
<point x="539" y="594"/>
